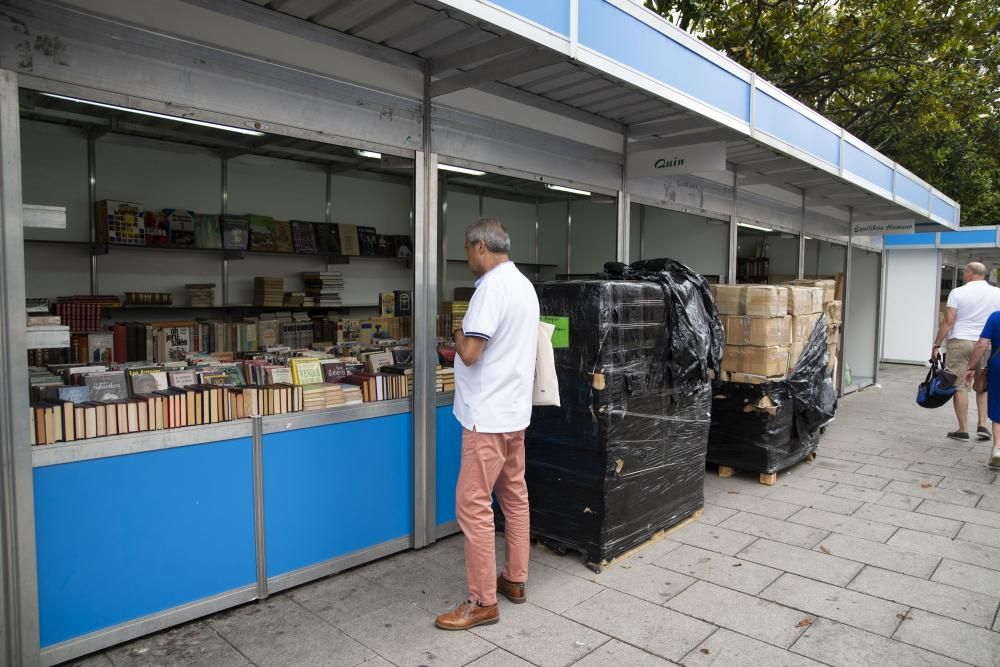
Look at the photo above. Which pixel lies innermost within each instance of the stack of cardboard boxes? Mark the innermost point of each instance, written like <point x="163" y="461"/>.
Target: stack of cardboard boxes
<point x="767" y="326"/>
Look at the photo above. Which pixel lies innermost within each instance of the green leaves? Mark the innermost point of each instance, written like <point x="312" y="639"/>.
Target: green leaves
<point x="917" y="79"/>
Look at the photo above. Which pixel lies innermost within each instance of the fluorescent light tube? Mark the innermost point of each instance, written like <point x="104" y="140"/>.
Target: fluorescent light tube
<point x="461" y="170"/>
<point x="179" y="119"/>
<point x="562" y="188"/>
<point x="372" y="154"/>
<point x="749" y="226"/>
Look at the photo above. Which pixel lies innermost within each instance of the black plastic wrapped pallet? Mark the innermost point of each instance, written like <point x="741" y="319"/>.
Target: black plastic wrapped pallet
<point x="768" y="427"/>
<point x="624" y="455"/>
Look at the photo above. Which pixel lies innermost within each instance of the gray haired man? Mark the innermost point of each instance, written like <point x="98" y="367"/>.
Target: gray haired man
<point x="966" y="313"/>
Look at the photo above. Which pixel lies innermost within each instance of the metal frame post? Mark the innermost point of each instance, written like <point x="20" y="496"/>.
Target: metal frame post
<point x="879" y="315"/>
<point x="425" y="333"/>
<point x="92" y="206"/>
<point x="257" y="438"/>
<point x="624" y="205"/>
<point x="642" y="231"/>
<point x="733" y="233"/>
<point x="224" y="173"/>
<point x="19" y="638"/>
<point x="844" y="337"/>
<point x="569" y="236"/>
<point x="802" y="240"/>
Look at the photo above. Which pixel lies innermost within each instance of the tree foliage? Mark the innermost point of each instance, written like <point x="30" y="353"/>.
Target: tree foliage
<point x="917" y="79"/>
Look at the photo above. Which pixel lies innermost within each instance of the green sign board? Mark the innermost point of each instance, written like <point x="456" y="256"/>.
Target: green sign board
<point x="560" y="337"/>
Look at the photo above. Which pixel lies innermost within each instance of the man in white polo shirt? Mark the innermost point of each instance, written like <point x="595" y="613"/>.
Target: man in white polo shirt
<point x="966" y="313"/>
<point x="494" y="371"/>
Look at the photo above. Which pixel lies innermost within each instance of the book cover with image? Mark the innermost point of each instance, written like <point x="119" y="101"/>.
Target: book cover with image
<point x="283" y="236"/>
<point x="404" y="245"/>
<point x="181" y="225"/>
<point x="235" y="232"/>
<point x="110" y="386"/>
<point x="328" y="237"/>
<point x="100" y="347"/>
<point x="367" y="238"/>
<point x="304" y="238"/>
<point x="207" y="233"/>
<point x="157" y="234"/>
<point x="262" y="233"/>
<point x="349" y="243"/>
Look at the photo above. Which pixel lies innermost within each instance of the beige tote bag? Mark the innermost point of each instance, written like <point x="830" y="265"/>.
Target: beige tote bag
<point x="546" y="389"/>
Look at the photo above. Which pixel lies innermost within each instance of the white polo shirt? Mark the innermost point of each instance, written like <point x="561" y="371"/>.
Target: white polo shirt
<point x="973" y="302"/>
<point x="493" y="395"/>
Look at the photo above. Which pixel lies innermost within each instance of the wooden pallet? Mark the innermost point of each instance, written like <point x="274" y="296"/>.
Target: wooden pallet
<point x="654" y="538"/>
<point x="765" y="478"/>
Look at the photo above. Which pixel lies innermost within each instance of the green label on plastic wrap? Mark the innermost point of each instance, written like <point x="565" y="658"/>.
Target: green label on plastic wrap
<point x="560" y="337"/>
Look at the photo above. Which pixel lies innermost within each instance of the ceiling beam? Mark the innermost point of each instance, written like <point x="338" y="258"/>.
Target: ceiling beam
<point x="545" y="104"/>
<point x="789" y="177"/>
<point x="669" y="126"/>
<point x="516" y="62"/>
<point x="718" y="134"/>
<point x="471" y="55"/>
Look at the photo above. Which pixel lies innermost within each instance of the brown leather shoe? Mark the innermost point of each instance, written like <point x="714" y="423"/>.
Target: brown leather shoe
<point x="468" y="615"/>
<point x="512" y="590"/>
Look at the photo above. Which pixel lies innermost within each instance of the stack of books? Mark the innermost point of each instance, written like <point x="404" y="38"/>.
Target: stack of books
<point x="294" y="299"/>
<point x="324" y="287"/>
<point x="268" y="292"/>
<point x="352" y="394"/>
<point x="200" y="295"/>
<point x="322" y="396"/>
<point x="456" y="311"/>
<point x="445" y="380"/>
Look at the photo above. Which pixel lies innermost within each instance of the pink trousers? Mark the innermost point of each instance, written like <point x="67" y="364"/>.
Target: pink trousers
<point x="492" y="462"/>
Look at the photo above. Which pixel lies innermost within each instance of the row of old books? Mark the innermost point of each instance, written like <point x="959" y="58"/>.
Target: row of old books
<point x="129" y="223"/>
<point x="176" y="407"/>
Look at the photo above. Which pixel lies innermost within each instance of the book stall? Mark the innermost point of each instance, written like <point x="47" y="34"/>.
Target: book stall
<point x="233" y="250"/>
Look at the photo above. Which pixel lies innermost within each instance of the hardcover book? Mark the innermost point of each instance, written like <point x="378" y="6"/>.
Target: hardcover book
<point x="207" y="233"/>
<point x="110" y="386"/>
<point x="333" y="371"/>
<point x="146" y="380"/>
<point x="235" y="232"/>
<point x="261" y="232"/>
<point x="157" y="234"/>
<point x="181" y="226"/>
<point x="404" y="245"/>
<point x="180" y="378"/>
<point x="283" y="236"/>
<point x="328" y="238"/>
<point x="304" y="238"/>
<point x="385" y="245"/>
<point x="349" y="243"/>
<point x="120" y="222"/>
<point x="100" y="348"/>
<point x="367" y="238"/>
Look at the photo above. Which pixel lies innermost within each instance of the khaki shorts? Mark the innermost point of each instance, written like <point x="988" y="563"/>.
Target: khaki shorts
<point x="959" y="352"/>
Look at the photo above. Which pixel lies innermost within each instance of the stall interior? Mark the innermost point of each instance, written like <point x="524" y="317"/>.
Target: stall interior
<point x="765" y="256"/>
<point x="700" y="243"/>
<point x="208" y="273"/>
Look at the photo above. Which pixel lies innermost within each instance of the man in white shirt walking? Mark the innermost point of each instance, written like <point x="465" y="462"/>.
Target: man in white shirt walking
<point x="494" y="372"/>
<point x="966" y="312"/>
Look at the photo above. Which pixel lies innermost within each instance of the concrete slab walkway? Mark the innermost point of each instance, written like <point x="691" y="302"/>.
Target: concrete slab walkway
<point x="885" y="550"/>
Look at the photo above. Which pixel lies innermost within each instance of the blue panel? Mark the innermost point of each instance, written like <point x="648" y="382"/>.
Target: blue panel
<point x="622" y="37"/>
<point x="332" y="490"/>
<point x="911" y="191"/>
<point x="553" y="14"/>
<point x="126" y="536"/>
<point x="970" y="237"/>
<point x="899" y="240"/>
<point x="794" y="128"/>
<point x="942" y="208"/>
<point x="447" y="462"/>
<point x="864" y="165"/>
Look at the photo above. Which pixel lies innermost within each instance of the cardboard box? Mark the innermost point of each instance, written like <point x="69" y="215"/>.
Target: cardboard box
<point x="759" y="331"/>
<point x="831" y="350"/>
<point x="804" y="300"/>
<point x="828" y="285"/>
<point x="802" y="326"/>
<point x="833" y="334"/>
<point x="766" y="361"/>
<point x="764" y="301"/>
<point x="794" y="352"/>
<point x="834" y="311"/>
<point x="745" y="378"/>
<point x="729" y="299"/>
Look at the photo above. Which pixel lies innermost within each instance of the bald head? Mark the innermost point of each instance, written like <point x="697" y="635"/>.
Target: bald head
<point x="974" y="271"/>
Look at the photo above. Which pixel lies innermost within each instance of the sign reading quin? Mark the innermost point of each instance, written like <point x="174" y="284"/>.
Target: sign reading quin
<point x="693" y="159"/>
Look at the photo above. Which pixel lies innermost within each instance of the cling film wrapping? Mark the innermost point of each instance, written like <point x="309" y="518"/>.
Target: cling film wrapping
<point x="770" y="426"/>
<point x="624" y="455"/>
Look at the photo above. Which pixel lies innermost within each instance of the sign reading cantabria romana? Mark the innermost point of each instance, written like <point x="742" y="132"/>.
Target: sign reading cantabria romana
<point x="879" y="228"/>
<point x="693" y="159"/>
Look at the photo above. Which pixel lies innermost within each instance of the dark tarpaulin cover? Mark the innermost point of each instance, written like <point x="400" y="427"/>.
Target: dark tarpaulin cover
<point x="614" y="465"/>
<point x="769" y="427"/>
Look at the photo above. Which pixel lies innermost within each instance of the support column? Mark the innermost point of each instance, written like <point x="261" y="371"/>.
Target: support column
<point x="733" y="236"/>
<point x="845" y="334"/>
<point x="624" y="205"/>
<point x="19" y="641"/>
<point x="802" y="240"/>
<point x="225" y="209"/>
<point x="92" y="205"/>
<point x="425" y="309"/>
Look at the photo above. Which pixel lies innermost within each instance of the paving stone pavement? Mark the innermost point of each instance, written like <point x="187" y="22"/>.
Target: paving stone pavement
<point x="884" y="550"/>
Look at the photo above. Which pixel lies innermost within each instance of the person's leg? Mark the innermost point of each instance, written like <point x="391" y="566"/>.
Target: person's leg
<point x="512" y="494"/>
<point x="981" y="408"/>
<point x="961" y="401"/>
<point x="482" y="460"/>
<point x="995" y="454"/>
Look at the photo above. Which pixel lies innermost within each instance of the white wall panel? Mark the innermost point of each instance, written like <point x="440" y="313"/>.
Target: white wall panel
<point x="911" y="303"/>
<point x="862" y="313"/>
<point x="697" y="242"/>
<point x="593" y="235"/>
